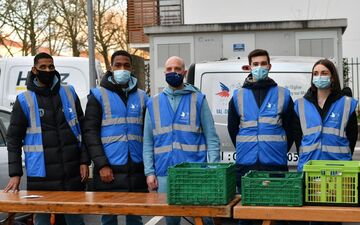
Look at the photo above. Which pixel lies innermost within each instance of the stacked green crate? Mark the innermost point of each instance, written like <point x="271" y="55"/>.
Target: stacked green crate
<point x="201" y="184"/>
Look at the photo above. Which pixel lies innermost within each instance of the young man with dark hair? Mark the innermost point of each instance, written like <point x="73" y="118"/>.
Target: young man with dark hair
<point x="113" y="133"/>
<point x="45" y="122"/>
<point x="259" y="118"/>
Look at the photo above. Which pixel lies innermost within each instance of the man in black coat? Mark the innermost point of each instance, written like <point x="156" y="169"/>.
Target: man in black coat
<point x="45" y="122"/>
<point x="113" y="133"/>
<point x="259" y="85"/>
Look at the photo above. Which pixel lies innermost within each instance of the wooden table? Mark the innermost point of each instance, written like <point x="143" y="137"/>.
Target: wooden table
<point x="305" y="213"/>
<point x="116" y="203"/>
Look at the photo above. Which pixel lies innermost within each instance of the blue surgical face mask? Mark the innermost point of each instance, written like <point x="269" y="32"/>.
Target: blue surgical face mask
<point x="122" y="76"/>
<point x="322" y="82"/>
<point x="259" y="73"/>
<point x="174" y="79"/>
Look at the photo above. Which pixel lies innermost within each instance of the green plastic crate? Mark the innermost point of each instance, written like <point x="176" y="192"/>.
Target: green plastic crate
<point x="331" y="182"/>
<point x="201" y="184"/>
<point x="272" y="188"/>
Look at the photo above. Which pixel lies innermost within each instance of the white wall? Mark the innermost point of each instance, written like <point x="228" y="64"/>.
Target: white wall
<point x="227" y="11"/>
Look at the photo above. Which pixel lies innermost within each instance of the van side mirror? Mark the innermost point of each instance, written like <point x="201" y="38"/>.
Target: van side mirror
<point x="246" y="68"/>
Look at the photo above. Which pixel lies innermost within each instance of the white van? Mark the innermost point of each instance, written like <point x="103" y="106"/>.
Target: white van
<point x="217" y="80"/>
<point x="14" y="71"/>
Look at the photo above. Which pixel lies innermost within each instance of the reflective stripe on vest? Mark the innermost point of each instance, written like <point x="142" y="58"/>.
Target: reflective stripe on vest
<point x="73" y="122"/>
<point x="35" y="127"/>
<point x="275" y="138"/>
<point x="325" y="148"/>
<point x="183" y="147"/>
<point x="129" y="137"/>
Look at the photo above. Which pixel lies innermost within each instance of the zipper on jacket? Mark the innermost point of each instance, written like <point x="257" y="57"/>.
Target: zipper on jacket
<point x="58" y="136"/>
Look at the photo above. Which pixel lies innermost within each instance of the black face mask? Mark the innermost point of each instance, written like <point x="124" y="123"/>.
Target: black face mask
<point x="174" y="79"/>
<point x="45" y="77"/>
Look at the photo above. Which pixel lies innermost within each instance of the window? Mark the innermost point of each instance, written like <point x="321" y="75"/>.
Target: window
<point x="166" y="50"/>
<point x="322" y="47"/>
<point x="5" y="118"/>
<point x="2" y="138"/>
<point x="2" y="135"/>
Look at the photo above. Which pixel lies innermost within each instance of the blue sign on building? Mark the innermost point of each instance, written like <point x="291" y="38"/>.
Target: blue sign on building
<point x="239" y="47"/>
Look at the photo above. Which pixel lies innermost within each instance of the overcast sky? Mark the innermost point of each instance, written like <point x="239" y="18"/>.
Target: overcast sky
<point x="223" y="11"/>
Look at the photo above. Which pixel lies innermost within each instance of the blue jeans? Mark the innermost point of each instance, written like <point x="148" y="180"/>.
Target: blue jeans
<point x="112" y="220"/>
<point x="175" y="220"/>
<point x="44" y="219"/>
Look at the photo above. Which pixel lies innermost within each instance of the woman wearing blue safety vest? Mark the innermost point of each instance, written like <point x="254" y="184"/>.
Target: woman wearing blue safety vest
<point x="326" y="119"/>
<point x="178" y="128"/>
<point x="113" y="133"/>
<point x="45" y="122"/>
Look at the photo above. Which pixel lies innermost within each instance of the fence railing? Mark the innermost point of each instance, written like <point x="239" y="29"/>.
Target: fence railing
<point x="351" y="76"/>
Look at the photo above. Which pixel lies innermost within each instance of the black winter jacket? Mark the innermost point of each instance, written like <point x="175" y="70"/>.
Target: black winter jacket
<point x="62" y="154"/>
<point x="260" y="90"/>
<point x="129" y="177"/>
<point x="351" y="129"/>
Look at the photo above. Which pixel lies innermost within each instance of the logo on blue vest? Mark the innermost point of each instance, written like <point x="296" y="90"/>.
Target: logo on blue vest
<point x="134" y="107"/>
<point x="334" y="117"/>
<point x="270" y="106"/>
<point x="41" y="112"/>
<point x="184" y="117"/>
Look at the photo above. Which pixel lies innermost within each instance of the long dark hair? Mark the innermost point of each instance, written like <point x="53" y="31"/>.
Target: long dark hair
<point x="335" y="81"/>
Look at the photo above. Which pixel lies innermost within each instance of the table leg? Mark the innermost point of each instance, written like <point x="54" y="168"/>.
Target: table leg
<point x="10" y="219"/>
<point x="267" y="222"/>
<point x="217" y="221"/>
<point x="198" y="221"/>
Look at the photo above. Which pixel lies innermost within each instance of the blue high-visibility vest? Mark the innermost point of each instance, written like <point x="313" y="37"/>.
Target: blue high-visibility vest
<point x="261" y="137"/>
<point x="33" y="144"/>
<point x="324" y="139"/>
<point x="122" y="125"/>
<point x="178" y="136"/>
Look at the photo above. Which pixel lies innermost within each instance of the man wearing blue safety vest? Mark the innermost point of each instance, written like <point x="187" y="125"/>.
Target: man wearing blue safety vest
<point x="259" y="118"/>
<point x="179" y="127"/>
<point x="45" y="122"/>
<point x="113" y="133"/>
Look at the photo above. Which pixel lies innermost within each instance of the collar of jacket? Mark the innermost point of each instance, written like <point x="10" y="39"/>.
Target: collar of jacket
<point x="312" y="96"/>
<point x="188" y="88"/>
